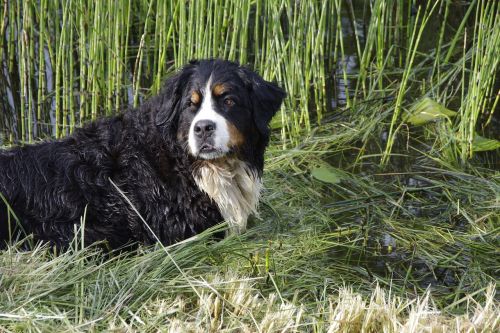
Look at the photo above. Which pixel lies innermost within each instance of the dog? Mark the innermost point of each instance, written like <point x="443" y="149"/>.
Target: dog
<point x="187" y="159"/>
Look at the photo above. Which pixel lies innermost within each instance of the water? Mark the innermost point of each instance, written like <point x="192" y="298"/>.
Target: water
<point x="380" y="253"/>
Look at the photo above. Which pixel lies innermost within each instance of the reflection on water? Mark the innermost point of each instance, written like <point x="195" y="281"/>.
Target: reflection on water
<point x="343" y="87"/>
<point x="353" y="32"/>
<point x="50" y="89"/>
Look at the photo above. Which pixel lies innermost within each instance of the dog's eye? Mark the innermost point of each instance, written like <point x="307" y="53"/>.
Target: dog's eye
<point x="228" y="102"/>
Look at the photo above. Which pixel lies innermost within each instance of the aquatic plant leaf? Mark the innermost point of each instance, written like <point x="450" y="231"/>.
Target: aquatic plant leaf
<point x="480" y="143"/>
<point x="327" y="174"/>
<point x="276" y="123"/>
<point x="428" y="110"/>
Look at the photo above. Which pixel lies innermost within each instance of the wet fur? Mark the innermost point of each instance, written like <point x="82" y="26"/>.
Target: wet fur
<point x="144" y="152"/>
<point x="234" y="187"/>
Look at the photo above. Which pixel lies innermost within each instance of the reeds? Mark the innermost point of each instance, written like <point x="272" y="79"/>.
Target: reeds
<point x="70" y="61"/>
<point x="95" y="58"/>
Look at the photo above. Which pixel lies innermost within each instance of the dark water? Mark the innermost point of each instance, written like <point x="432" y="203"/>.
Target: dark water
<point x="379" y="253"/>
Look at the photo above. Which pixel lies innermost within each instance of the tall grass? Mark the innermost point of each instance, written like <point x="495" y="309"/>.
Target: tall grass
<point x="482" y="95"/>
<point x="95" y="58"/>
<point x="70" y="61"/>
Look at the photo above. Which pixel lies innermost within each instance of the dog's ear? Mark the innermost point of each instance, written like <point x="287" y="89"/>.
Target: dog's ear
<point x="266" y="99"/>
<point x="170" y="96"/>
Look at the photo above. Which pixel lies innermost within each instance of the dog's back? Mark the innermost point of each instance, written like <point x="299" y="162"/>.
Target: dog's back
<point x="45" y="187"/>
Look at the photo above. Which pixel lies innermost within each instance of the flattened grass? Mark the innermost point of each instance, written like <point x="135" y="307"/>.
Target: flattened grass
<point x="313" y="261"/>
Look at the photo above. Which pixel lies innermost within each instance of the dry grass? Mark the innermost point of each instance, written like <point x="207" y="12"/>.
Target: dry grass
<point x="228" y="303"/>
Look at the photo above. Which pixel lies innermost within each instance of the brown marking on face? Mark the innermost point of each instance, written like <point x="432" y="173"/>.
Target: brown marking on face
<point x="195" y="97"/>
<point x="236" y="139"/>
<point x="219" y="89"/>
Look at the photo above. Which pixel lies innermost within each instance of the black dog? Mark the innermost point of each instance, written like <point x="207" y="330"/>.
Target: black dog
<point x="184" y="161"/>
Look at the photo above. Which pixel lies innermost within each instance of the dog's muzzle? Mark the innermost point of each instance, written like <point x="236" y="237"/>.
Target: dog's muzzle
<point x="204" y="132"/>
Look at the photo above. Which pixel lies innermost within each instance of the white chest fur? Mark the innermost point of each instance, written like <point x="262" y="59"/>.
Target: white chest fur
<point x="234" y="187"/>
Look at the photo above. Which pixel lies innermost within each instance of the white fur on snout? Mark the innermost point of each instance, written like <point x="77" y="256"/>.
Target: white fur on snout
<point x="221" y="134"/>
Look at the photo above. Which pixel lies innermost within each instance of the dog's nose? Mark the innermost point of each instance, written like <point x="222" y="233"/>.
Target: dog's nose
<point x="204" y="128"/>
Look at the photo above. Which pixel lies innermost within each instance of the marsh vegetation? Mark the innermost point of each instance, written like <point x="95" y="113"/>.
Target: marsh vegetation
<point x="381" y="207"/>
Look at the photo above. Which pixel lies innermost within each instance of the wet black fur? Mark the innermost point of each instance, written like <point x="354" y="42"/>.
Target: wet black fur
<point x="144" y="152"/>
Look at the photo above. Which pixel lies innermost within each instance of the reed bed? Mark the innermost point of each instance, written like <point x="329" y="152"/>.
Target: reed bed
<point x="70" y="61"/>
<point x="382" y="199"/>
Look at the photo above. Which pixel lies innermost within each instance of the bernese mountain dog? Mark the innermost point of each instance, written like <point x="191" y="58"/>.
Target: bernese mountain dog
<point x="186" y="160"/>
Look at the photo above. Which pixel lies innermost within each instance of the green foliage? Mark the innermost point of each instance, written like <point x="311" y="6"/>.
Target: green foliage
<point x="327" y="174"/>
<point x="428" y="110"/>
<point x="78" y="60"/>
<point x="483" y="144"/>
<point x="70" y="61"/>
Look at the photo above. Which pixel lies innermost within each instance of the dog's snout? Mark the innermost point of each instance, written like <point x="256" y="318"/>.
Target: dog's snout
<point x="204" y="128"/>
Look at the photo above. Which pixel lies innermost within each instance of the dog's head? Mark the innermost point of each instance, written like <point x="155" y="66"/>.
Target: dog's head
<point x="216" y="108"/>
